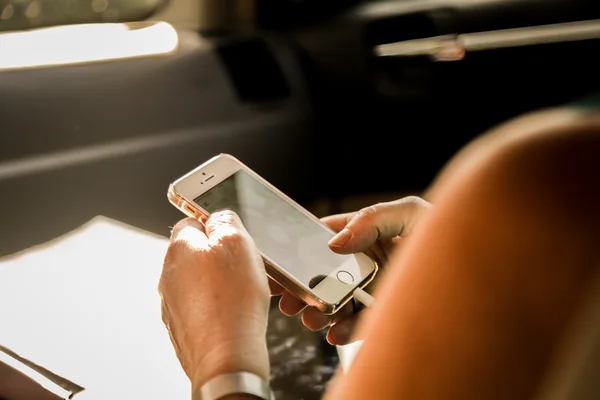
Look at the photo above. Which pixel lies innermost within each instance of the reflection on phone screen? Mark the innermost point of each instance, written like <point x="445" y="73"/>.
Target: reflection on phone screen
<point x="280" y="231"/>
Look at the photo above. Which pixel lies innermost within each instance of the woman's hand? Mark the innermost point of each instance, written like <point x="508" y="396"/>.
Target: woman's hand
<point x="215" y="298"/>
<point x="377" y="231"/>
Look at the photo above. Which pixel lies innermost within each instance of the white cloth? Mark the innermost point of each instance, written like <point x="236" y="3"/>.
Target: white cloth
<point x="85" y="306"/>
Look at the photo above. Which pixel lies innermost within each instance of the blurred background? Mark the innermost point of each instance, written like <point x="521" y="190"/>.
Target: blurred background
<point x="340" y="104"/>
<point x="104" y="102"/>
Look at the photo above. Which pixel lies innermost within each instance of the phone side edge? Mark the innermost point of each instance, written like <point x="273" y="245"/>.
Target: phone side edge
<point x="182" y="205"/>
<point x="272" y="271"/>
<point x="323" y="306"/>
<point x="277" y="273"/>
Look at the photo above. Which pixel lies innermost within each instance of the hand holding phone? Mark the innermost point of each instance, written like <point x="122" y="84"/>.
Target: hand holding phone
<point x="215" y="298"/>
<point x="292" y="242"/>
<point x="378" y="230"/>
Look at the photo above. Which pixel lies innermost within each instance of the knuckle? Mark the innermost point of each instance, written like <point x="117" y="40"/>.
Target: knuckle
<point x="407" y="205"/>
<point x="228" y="213"/>
<point x="233" y="237"/>
<point x="414" y="202"/>
<point x="225" y="216"/>
<point x="367" y="213"/>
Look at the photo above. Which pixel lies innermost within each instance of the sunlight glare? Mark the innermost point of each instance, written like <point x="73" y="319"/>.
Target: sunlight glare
<point x="76" y="44"/>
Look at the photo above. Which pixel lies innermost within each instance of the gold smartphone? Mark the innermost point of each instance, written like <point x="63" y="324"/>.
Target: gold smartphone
<point x="292" y="241"/>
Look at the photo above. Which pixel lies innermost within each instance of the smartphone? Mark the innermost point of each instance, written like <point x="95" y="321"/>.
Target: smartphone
<point x="292" y="241"/>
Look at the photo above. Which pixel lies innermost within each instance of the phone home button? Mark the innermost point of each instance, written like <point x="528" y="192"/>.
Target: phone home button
<point x="345" y="277"/>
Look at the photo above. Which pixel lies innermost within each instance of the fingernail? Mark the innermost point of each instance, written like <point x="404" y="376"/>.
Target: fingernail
<point x="341" y="238"/>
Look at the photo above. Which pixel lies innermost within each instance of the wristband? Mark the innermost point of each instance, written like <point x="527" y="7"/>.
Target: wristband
<point x="235" y="383"/>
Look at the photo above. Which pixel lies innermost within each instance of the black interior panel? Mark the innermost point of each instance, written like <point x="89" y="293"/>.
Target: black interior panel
<point x="394" y="122"/>
<point x="107" y="138"/>
<point x="253" y="70"/>
<point x="305" y="101"/>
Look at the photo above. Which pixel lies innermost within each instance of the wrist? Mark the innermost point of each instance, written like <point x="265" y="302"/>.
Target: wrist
<point x="237" y="356"/>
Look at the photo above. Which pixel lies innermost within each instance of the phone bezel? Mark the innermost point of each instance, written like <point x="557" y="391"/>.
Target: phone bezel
<point x="330" y="294"/>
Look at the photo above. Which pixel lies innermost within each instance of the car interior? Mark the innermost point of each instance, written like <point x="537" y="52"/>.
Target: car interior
<point x="104" y="103"/>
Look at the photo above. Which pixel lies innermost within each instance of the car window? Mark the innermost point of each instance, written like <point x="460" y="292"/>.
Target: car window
<point x="16" y="15"/>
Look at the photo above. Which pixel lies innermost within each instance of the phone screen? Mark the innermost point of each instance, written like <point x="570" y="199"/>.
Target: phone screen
<point x="280" y="231"/>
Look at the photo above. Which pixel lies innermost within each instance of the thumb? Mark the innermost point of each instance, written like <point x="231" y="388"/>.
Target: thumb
<point x="381" y="221"/>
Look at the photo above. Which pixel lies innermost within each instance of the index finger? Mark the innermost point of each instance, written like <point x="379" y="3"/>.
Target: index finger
<point x="380" y="221"/>
<point x="276" y="288"/>
<point x="337" y="222"/>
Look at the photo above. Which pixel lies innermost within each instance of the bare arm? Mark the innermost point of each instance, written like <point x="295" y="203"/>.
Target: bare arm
<point x="478" y="299"/>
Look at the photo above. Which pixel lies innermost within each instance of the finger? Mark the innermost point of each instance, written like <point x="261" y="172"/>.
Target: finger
<point x="290" y="305"/>
<point x="338" y="222"/>
<point x="341" y="333"/>
<point x="276" y="288"/>
<point x="381" y="221"/>
<point x="224" y="223"/>
<point x="315" y="320"/>
<point x="191" y="232"/>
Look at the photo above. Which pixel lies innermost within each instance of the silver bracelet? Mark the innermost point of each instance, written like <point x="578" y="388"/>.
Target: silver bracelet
<point x="235" y="383"/>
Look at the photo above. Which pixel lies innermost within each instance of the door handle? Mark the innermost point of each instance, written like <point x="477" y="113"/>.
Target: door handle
<point x="454" y="47"/>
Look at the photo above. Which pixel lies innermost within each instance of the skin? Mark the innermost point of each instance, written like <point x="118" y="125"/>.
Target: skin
<point x="475" y="300"/>
<point x="205" y="268"/>
<point x="377" y="230"/>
